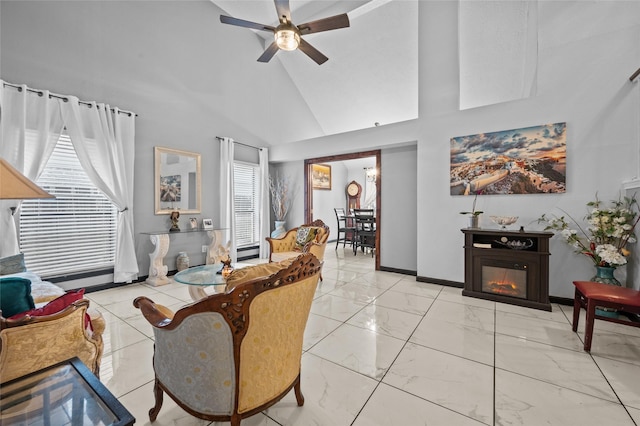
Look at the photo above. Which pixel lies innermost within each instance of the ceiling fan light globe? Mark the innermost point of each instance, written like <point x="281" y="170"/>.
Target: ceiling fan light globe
<point x="287" y="39"/>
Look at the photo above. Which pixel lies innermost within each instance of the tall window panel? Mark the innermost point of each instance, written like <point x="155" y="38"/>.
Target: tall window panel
<point x="247" y="210"/>
<point x="76" y="231"/>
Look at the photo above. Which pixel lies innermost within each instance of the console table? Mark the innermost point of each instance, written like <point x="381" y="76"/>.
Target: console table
<point x="507" y="266"/>
<point x="160" y="239"/>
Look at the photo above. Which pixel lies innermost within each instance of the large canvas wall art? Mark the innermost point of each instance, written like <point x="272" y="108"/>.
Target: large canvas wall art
<point x="530" y="160"/>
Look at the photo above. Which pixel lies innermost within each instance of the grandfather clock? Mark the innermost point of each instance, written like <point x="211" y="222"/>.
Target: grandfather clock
<point x="353" y="195"/>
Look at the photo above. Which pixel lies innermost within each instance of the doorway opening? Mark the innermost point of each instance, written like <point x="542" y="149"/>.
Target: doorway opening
<point x="308" y="188"/>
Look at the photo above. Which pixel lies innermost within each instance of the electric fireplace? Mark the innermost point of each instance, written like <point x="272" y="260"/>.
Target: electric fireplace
<point x="507" y="266"/>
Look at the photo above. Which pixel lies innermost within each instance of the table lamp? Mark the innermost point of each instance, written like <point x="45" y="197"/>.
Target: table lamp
<point x="16" y="186"/>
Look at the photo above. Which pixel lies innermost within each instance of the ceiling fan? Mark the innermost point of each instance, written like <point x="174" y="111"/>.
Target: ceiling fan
<point x="288" y="36"/>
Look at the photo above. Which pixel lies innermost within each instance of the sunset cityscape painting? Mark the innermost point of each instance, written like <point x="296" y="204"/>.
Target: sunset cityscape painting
<point x="531" y="160"/>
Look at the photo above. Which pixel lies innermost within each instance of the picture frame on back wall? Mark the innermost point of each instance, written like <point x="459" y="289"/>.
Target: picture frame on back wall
<point x="207" y="224"/>
<point x="321" y="176"/>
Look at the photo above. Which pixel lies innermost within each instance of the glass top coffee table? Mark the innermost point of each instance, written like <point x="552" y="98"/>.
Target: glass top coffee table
<point x="202" y="277"/>
<point x="67" y="393"/>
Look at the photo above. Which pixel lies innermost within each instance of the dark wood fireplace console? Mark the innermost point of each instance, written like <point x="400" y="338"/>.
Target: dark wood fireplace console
<point x="507" y="266"/>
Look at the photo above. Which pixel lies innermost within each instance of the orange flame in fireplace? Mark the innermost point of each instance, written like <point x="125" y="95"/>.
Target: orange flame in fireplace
<point x="504" y="287"/>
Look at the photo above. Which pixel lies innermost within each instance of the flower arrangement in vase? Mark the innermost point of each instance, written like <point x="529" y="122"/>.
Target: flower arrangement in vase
<point x="605" y="239"/>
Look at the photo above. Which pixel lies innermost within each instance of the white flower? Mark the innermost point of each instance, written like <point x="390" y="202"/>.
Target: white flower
<point x="566" y="234"/>
<point x="610" y="254"/>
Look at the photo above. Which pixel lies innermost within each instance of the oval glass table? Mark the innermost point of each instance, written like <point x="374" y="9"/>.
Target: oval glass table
<point x="199" y="278"/>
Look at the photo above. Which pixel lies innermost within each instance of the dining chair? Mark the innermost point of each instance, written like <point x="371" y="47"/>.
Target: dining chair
<point x="344" y="227"/>
<point x="365" y="230"/>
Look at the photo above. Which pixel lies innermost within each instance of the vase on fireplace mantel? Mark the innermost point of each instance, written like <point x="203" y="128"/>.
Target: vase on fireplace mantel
<point x="604" y="274"/>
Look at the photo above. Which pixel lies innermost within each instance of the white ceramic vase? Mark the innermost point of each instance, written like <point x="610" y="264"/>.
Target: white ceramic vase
<point x="280" y="230"/>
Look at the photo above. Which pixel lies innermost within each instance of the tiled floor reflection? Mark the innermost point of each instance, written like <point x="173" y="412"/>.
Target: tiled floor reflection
<point x="384" y="349"/>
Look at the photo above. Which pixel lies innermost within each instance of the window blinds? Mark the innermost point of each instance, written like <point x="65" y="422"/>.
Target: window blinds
<point x="76" y="231"/>
<point x="246" y="191"/>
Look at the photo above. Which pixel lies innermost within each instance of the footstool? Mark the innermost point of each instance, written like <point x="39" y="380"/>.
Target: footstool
<point x="591" y="294"/>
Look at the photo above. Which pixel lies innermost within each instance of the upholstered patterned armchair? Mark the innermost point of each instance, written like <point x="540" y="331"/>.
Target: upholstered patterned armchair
<point x="234" y="354"/>
<point x="31" y="343"/>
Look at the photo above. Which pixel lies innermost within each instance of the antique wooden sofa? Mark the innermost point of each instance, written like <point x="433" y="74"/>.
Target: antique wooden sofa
<point x="234" y="354"/>
<point x="308" y="238"/>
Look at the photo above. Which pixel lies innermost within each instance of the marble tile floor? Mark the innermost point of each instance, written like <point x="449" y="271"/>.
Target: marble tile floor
<point x="383" y="349"/>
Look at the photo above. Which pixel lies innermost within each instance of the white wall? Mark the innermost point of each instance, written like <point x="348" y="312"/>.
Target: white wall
<point x="324" y="201"/>
<point x="398" y="208"/>
<point x="587" y="51"/>
<point x="173" y="64"/>
<point x="582" y="80"/>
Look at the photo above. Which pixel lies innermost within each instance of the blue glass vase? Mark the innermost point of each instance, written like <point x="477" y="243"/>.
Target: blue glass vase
<point x="604" y="274"/>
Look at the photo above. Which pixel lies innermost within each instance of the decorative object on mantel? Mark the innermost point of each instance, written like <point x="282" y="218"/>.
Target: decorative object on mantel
<point x="605" y="239"/>
<point x="473" y="214"/>
<point x="280" y="202"/>
<point x="504" y="221"/>
<point x="175" y="215"/>
<point x="516" y="244"/>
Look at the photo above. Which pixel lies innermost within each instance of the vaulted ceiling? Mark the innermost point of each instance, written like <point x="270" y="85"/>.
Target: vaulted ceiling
<point x="372" y="72"/>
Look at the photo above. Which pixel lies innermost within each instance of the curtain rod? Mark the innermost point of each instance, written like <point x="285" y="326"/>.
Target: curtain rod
<point x="240" y="143"/>
<point x="64" y="98"/>
<point x="634" y="75"/>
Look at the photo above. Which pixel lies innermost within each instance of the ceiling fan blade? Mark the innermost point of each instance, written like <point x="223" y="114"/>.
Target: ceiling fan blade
<point x="312" y="52"/>
<point x="325" y="24"/>
<point x="247" y="24"/>
<point x="269" y="53"/>
<point x="283" y="9"/>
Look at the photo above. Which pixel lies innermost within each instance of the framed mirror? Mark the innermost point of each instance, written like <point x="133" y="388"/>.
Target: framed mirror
<point x="177" y="181"/>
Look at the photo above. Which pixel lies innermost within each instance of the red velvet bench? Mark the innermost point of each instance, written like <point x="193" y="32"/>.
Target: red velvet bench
<point x="590" y="294"/>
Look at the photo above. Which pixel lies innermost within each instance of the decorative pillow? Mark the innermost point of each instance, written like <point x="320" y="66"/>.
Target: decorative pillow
<point x="12" y="264"/>
<point x="57" y="305"/>
<point x="304" y="235"/>
<point x="15" y="296"/>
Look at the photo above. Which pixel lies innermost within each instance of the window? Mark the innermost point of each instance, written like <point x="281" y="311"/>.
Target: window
<point x="76" y="231"/>
<point x="247" y="200"/>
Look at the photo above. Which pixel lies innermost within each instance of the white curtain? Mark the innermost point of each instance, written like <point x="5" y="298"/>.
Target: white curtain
<point x="104" y="142"/>
<point x="265" y="215"/>
<point x="30" y="125"/>
<point x="227" y="204"/>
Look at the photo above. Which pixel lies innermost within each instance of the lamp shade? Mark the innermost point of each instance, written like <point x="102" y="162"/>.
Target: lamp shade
<point x="16" y="186"/>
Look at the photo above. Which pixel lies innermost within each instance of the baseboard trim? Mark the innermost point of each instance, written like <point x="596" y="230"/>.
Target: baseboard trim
<point x="107" y="286"/>
<point x="439" y="281"/>
<point x="561" y="300"/>
<point x="399" y="271"/>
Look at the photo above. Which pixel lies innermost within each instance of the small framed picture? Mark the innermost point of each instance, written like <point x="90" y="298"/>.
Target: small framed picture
<point x="193" y="223"/>
<point x="321" y="176"/>
<point x="207" y="223"/>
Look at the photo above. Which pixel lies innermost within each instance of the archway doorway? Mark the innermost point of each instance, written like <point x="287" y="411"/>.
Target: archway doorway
<point x="308" y="187"/>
